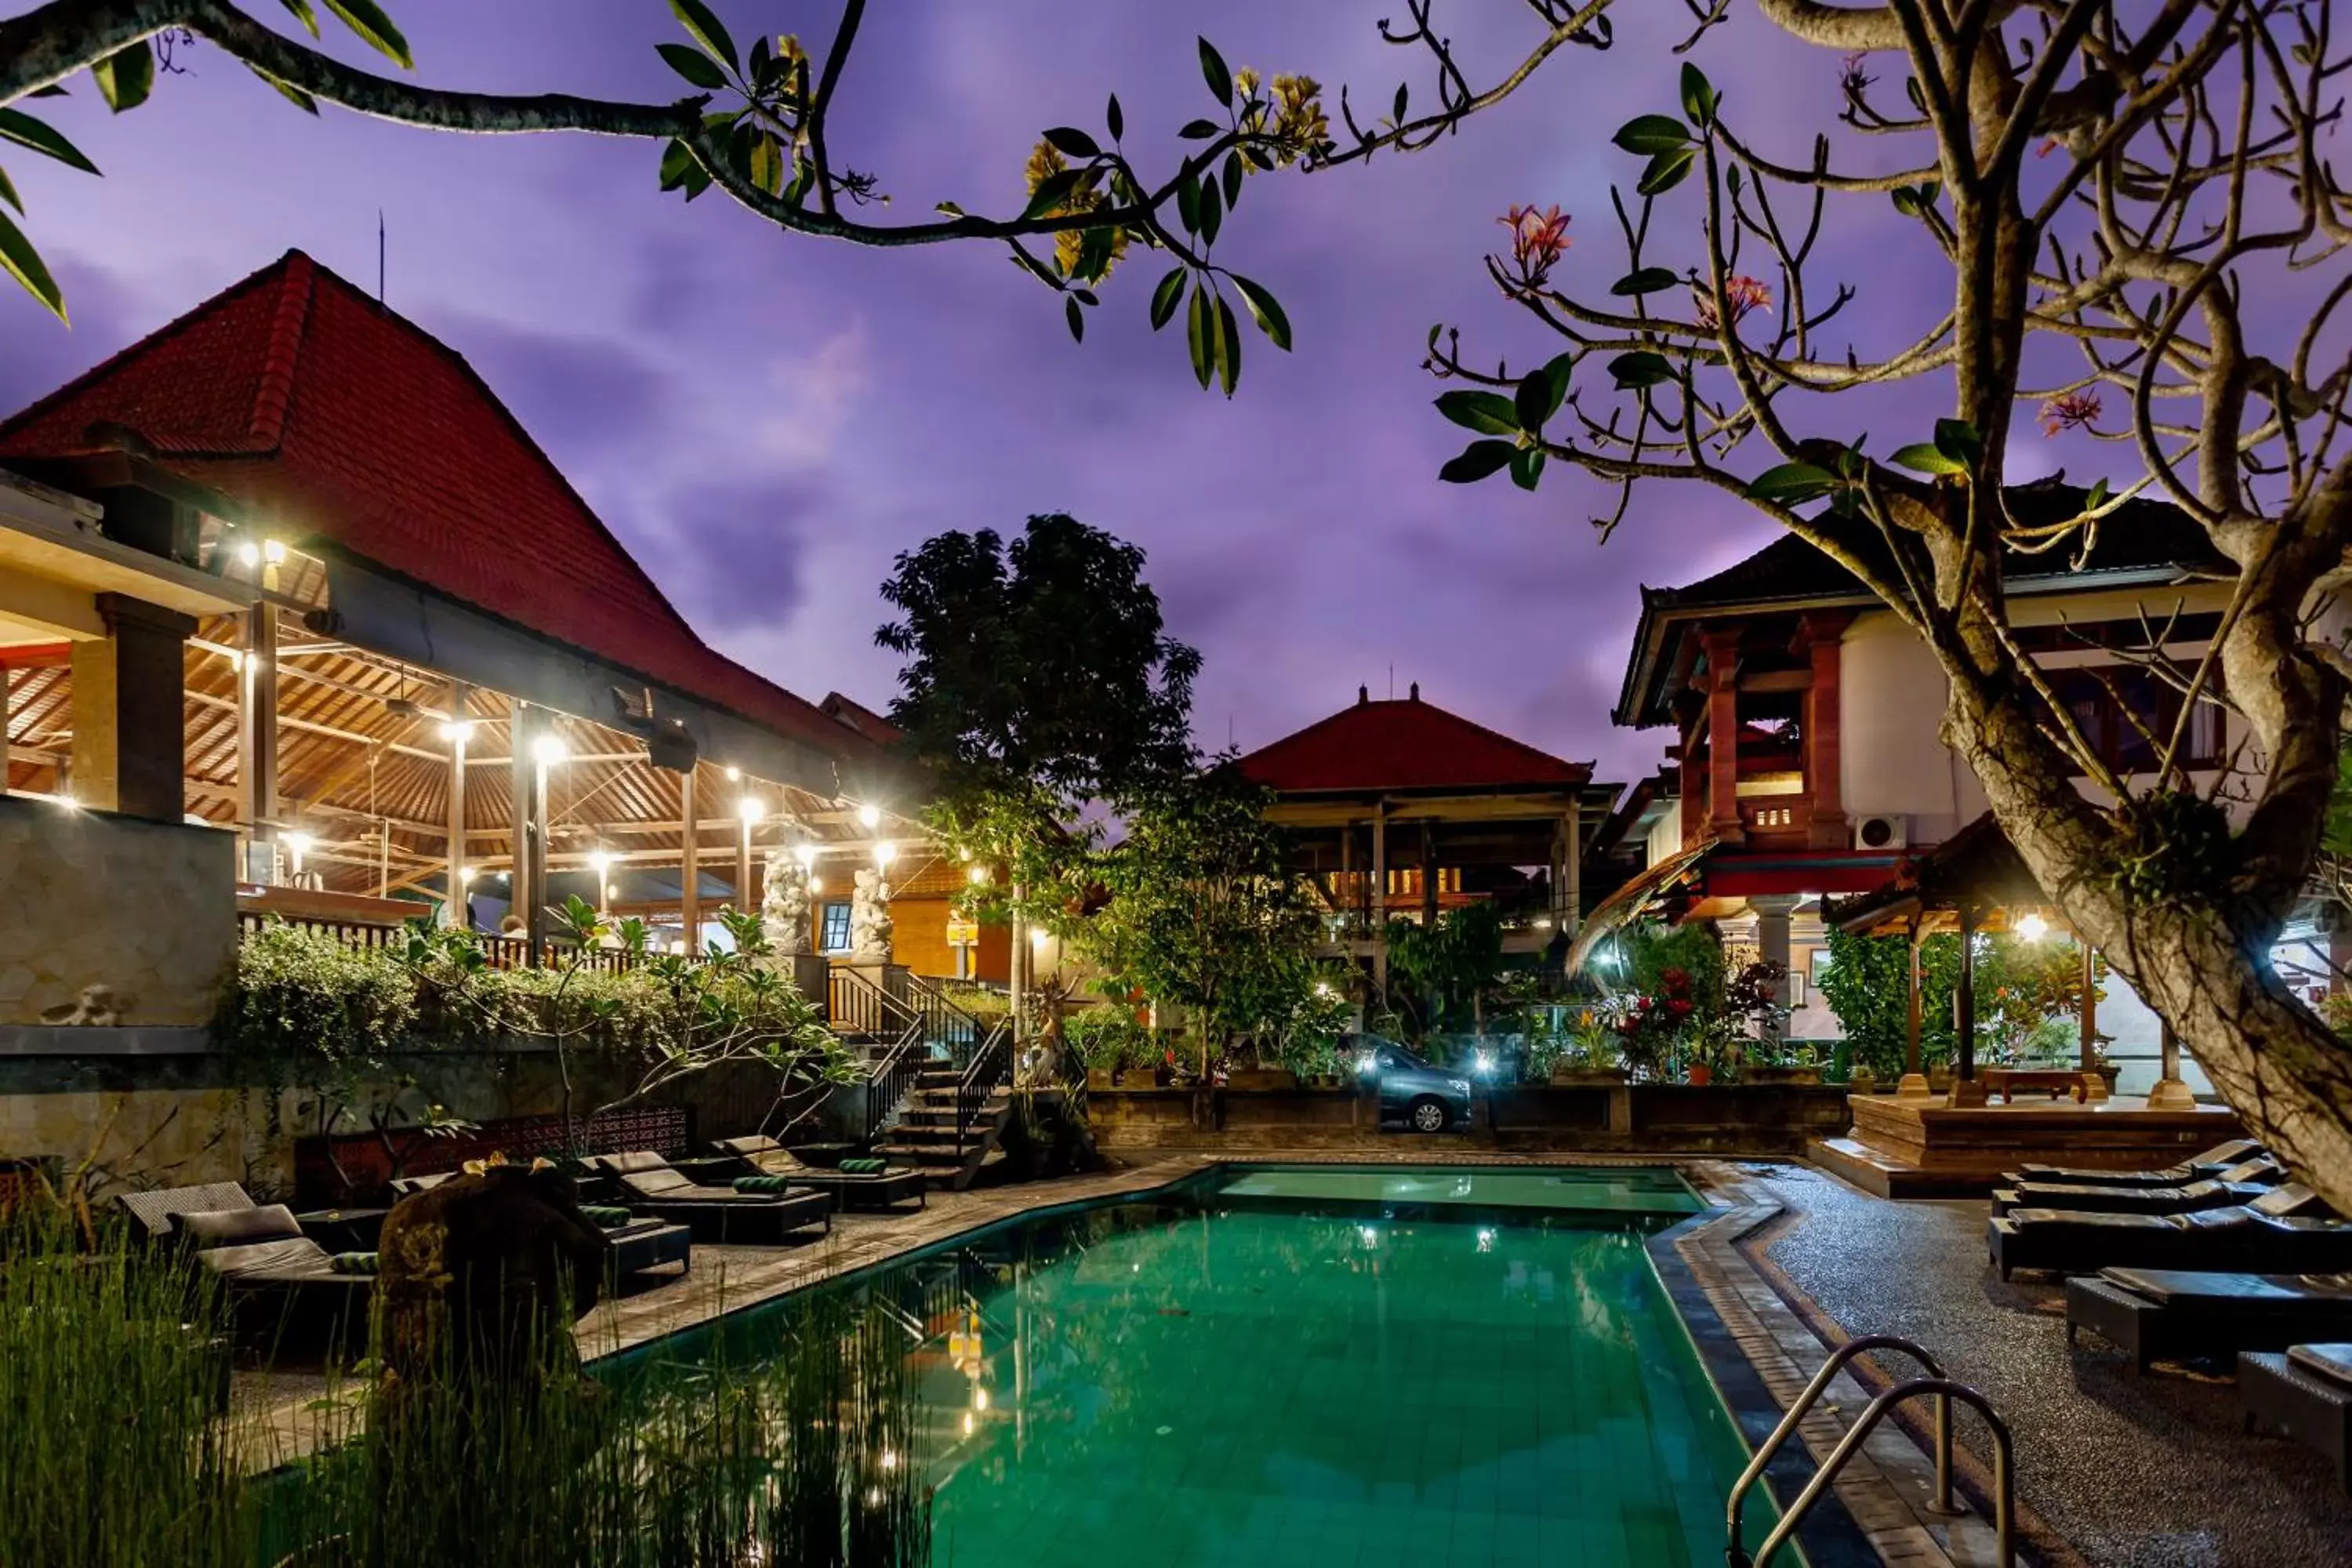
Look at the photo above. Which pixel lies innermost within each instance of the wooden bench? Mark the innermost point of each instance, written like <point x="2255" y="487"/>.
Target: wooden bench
<point x="2006" y="1082"/>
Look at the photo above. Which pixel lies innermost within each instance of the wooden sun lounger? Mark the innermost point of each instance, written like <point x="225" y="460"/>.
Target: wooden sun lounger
<point x="637" y="1244"/>
<point x="652" y="1187"/>
<point x="852" y="1189"/>
<point x="2211" y="1162"/>
<point x="2238" y="1184"/>
<point x="2306" y="1394"/>
<point x="2267" y="1236"/>
<point x="2159" y="1314"/>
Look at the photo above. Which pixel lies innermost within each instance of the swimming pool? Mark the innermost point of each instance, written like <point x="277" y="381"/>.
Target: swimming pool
<point x="1260" y="1368"/>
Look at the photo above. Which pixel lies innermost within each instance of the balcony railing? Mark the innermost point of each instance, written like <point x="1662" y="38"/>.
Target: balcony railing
<point x="501" y="952"/>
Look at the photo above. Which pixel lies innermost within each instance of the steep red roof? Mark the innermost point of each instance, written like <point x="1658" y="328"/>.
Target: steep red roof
<point x="301" y="399"/>
<point x="1407" y="745"/>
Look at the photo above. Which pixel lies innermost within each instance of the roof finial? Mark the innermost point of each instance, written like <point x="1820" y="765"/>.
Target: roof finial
<point x="1363" y="695"/>
<point x="1414" y="692"/>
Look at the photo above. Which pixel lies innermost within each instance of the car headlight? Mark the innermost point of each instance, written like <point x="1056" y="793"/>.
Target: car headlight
<point x="1461" y="1084"/>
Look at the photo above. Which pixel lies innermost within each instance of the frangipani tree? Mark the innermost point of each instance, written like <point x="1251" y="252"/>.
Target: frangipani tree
<point x="2118" y="194"/>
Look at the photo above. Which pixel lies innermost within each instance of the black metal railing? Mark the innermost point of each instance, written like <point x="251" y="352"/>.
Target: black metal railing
<point x="856" y="1005"/>
<point x="498" y="950"/>
<point x="888" y="1076"/>
<point x="946" y="1025"/>
<point x="990" y="1069"/>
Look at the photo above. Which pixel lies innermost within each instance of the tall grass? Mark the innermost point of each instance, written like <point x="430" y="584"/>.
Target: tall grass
<point x="112" y="1377"/>
<point x="792" y="1450"/>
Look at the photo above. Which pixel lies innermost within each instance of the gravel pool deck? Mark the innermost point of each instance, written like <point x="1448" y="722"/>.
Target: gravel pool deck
<point x="2129" y="1471"/>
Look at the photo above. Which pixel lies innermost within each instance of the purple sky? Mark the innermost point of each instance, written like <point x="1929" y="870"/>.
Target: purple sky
<point x="766" y="420"/>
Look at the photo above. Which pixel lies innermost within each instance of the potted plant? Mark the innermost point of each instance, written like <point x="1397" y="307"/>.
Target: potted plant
<point x="1587" y="1055"/>
<point x="1792" y="1063"/>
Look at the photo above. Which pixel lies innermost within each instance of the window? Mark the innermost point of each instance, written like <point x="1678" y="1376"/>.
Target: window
<point x="2126" y="715"/>
<point x="834" y="936"/>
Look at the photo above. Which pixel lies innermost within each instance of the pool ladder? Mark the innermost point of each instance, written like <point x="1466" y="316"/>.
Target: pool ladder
<point x="1935" y="1384"/>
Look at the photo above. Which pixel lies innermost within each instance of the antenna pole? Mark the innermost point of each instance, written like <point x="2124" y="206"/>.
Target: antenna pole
<point x="378" y="255"/>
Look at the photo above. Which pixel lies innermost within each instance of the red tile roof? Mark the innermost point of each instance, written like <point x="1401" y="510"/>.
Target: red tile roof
<point x="1407" y="745"/>
<point x="304" y="401"/>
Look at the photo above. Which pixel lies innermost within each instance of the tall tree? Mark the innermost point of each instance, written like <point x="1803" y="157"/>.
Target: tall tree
<point x="756" y="126"/>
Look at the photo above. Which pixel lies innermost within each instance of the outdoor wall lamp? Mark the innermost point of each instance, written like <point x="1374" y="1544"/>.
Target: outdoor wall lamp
<point x="2033" y="927"/>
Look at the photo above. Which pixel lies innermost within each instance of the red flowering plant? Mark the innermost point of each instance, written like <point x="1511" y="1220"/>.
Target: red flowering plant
<point x="1653" y="1027"/>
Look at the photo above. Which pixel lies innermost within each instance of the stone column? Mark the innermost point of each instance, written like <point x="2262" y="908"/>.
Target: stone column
<point x="1773" y="913"/>
<point x="129" y="712"/>
<point x="2170" y="1093"/>
<point x="1818" y="640"/>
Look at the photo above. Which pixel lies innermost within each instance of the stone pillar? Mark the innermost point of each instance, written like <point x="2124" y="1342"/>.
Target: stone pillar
<point x="129" y="712"/>
<point x="1819" y="641"/>
<point x="1723" y="735"/>
<point x="1772" y="914"/>
<point x="2170" y="1093"/>
<point x="869" y="918"/>
<point x="784" y="901"/>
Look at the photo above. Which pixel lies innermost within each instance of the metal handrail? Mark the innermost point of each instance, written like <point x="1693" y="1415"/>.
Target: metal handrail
<point x="883" y="1080"/>
<point x="1732" y="1553"/>
<point x="991" y="1066"/>
<point x="2004" y="1467"/>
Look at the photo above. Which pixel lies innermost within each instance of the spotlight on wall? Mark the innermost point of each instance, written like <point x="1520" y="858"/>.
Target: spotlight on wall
<point x="816" y="884"/>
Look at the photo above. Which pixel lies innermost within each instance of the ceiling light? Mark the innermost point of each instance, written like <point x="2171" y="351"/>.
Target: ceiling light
<point x="805" y="853"/>
<point x="979" y="875"/>
<point x="885" y="853"/>
<point x="298" y="845"/>
<point x="734" y="775"/>
<point x="2033" y="927"/>
<point x="549" y="750"/>
<point x="751" y="809"/>
<point x="457" y="732"/>
<point x="273" y="551"/>
<point x="600" y="861"/>
<point x="248" y="555"/>
<point x="870" y="816"/>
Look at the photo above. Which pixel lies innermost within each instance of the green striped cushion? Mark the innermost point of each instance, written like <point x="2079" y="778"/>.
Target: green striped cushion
<point x="761" y="1183"/>
<point x="863" y="1167"/>
<point x="353" y="1262"/>
<point x="608" y="1216"/>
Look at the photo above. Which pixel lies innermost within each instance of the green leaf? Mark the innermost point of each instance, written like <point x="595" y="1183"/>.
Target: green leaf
<point x="1188" y="202"/>
<point x="1232" y="179"/>
<point x="1072" y="142"/>
<point x="366" y="18"/>
<point x="1213" y="72"/>
<point x="1037" y="269"/>
<point x="1115" y="119"/>
<point x="1267" y="311"/>
<point x="126" y="77"/>
<point x="1922" y="458"/>
<point x="1488" y="413"/>
<point x="1164" y="298"/>
<point x="1213" y="212"/>
<point x="1559" y="368"/>
<point x="1199" y="129"/>
<point x="1053" y="191"/>
<point x="303" y="14"/>
<point x="1699" y="96"/>
<point x="1792" y="484"/>
<point x="1649" y="134"/>
<point x="676" y="160"/>
<point x="1403" y="97"/>
<point x="1648" y="280"/>
<point x="702" y="26"/>
<point x="1229" y="340"/>
<point x="17" y="126"/>
<point x="1640" y="368"/>
<point x="1477" y="461"/>
<point x="1526" y="467"/>
<point x="693" y="65"/>
<point x="1666" y="170"/>
<point x="1533" y="401"/>
<point x="2097" y="498"/>
<point x="1200" y="332"/>
<point x="288" y="90"/>
<point x="1077" y="316"/>
<point x="766" y="165"/>
<point x="22" y="262"/>
<point x="8" y="191"/>
<point x="1958" y="439"/>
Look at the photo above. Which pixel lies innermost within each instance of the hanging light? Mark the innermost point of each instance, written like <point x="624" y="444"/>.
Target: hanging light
<point x="870" y="816"/>
<point x="979" y="875"/>
<point x="884" y="853"/>
<point x="751" y="809"/>
<point x="273" y="551"/>
<point x="457" y="732"/>
<point x="248" y="553"/>
<point x="2033" y="927"/>
<point x="547" y="751"/>
<point x="734" y="775"/>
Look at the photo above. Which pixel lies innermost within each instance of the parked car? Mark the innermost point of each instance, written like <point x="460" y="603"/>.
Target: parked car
<point x="1426" y="1098"/>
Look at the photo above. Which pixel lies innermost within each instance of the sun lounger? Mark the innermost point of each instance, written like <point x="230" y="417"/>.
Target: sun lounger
<point x="2238" y="1184"/>
<point x="2306" y="1394"/>
<point x="157" y="1214"/>
<point x="280" y="1283"/>
<point x="2198" y="1168"/>
<point x="2275" y="1233"/>
<point x="650" y="1185"/>
<point x="851" y="1189"/>
<point x="2159" y="1314"/>
<point x="637" y="1244"/>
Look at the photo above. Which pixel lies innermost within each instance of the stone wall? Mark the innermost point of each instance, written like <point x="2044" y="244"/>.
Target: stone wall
<point x="111" y="920"/>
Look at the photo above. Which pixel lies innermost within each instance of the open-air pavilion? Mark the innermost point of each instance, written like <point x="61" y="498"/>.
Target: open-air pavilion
<point x="371" y="628"/>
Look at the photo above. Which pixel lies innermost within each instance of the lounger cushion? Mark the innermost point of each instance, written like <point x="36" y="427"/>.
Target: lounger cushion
<point x="355" y="1262"/>
<point x="751" y="1148"/>
<point x="763" y="1183"/>
<point x="294" y="1257"/>
<point x="606" y="1215"/>
<point x="863" y="1167"/>
<point x="2331" y="1362"/>
<point x="2167" y="1286"/>
<point x="2293" y="1198"/>
<point x="237" y="1228"/>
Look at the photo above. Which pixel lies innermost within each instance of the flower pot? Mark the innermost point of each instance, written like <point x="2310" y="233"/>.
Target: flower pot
<point x="1100" y="1077"/>
<point x="1698" y="1074"/>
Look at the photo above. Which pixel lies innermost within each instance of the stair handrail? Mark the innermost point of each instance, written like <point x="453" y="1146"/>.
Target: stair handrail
<point x="991" y="1064"/>
<point x="882" y="1079"/>
<point x="1732" y="1553"/>
<point x="2004" y="1467"/>
<point x="960" y="1027"/>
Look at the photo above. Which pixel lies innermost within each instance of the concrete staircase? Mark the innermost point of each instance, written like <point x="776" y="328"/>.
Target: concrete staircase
<point x="925" y="1134"/>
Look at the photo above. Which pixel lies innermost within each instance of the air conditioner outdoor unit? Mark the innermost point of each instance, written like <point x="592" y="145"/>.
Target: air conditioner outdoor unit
<point x="1881" y="832"/>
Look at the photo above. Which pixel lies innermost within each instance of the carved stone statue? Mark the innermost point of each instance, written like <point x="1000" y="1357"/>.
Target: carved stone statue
<point x="785" y="907"/>
<point x="869" y="918"/>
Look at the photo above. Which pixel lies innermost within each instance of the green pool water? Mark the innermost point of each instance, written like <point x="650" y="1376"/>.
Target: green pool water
<point x="1635" y="1190"/>
<point x="1196" y="1381"/>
